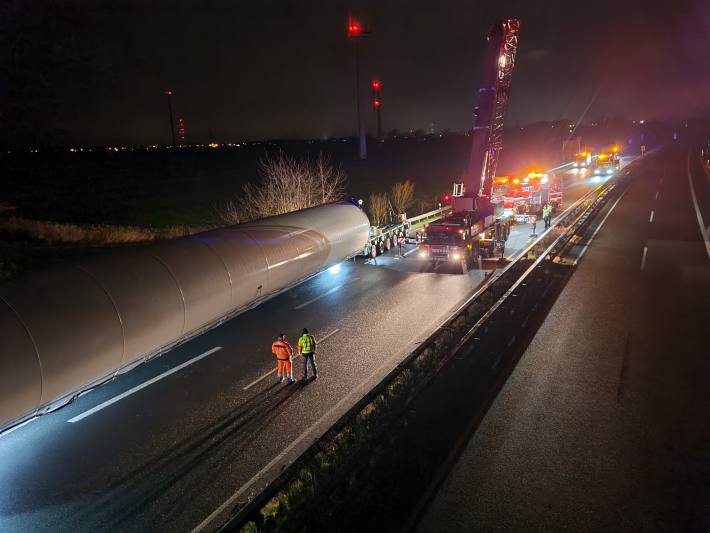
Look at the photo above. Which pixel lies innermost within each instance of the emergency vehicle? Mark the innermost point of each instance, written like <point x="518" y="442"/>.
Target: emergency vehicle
<point x="582" y="159"/>
<point x="463" y="237"/>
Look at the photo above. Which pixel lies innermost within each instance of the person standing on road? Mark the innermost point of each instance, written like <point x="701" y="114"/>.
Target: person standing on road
<point x="283" y="352"/>
<point x="547" y="214"/>
<point x="307" y="348"/>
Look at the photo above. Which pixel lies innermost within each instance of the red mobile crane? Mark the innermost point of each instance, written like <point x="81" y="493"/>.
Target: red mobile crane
<point x="478" y="227"/>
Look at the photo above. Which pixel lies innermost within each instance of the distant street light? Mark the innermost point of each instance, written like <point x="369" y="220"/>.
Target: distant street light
<point x="355" y="33"/>
<point x="169" y="94"/>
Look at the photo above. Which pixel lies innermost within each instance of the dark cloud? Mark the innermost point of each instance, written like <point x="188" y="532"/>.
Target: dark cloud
<point x="283" y="68"/>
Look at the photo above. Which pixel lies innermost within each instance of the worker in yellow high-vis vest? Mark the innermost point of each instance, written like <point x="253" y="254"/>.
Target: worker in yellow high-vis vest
<point x="307" y="349"/>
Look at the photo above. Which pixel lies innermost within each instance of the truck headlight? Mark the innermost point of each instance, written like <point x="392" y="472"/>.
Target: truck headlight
<point x="422" y="254"/>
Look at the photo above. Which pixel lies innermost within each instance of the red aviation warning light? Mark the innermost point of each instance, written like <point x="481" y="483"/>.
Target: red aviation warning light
<point x="376" y="103"/>
<point x="376" y="85"/>
<point x="181" y="129"/>
<point x="354" y="28"/>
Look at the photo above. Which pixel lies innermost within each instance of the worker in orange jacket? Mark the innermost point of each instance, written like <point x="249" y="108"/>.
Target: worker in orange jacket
<point x="283" y="352"/>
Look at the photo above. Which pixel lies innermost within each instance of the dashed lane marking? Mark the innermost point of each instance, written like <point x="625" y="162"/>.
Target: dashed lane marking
<point x="643" y="258"/>
<point x="141" y="386"/>
<point x="650" y="219"/>
<point x="326" y="293"/>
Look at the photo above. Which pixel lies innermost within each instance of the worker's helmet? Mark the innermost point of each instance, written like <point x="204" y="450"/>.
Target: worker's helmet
<point x="305" y="331"/>
<point x="282" y="336"/>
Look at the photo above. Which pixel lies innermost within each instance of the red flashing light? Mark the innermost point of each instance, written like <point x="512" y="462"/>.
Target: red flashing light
<point x="354" y="28"/>
<point x="447" y="197"/>
<point x="377" y="103"/>
<point x="376" y="85"/>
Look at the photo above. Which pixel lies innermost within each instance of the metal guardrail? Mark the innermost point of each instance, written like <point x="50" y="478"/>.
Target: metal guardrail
<point x="399" y="386"/>
<point x="431" y="214"/>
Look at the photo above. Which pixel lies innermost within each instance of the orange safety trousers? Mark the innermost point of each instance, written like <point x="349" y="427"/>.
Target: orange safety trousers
<point x="284" y="368"/>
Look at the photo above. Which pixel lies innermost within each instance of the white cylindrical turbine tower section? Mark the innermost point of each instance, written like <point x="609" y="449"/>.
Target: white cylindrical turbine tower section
<point x="67" y="328"/>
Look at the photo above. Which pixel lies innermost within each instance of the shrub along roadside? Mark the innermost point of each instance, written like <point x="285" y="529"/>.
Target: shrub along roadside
<point x="58" y="233"/>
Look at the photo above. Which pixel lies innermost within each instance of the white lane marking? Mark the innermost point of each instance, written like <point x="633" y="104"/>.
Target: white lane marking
<point x="141" y="386"/>
<point x="656" y="195"/>
<point x="701" y="223"/>
<point x="411" y="251"/>
<point x="643" y="259"/>
<point x="586" y="246"/>
<point x="351" y="398"/>
<point x="262" y="378"/>
<point x="650" y="219"/>
<point x="18" y="426"/>
<point x="326" y="293"/>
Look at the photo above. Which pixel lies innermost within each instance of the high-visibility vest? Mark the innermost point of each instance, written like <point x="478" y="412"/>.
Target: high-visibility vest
<point x="307" y="343"/>
<point x="281" y="349"/>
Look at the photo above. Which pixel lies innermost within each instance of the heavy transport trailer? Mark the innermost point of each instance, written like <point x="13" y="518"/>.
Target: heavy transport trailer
<point x="383" y="238"/>
<point x="70" y="327"/>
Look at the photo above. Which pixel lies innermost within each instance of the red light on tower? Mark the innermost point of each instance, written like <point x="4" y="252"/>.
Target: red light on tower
<point x="354" y="28"/>
<point x="181" y="129"/>
<point x="377" y="104"/>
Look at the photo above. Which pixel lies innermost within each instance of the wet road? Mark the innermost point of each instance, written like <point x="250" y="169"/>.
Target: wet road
<point x="164" y="446"/>
<point x="603" y="425"/>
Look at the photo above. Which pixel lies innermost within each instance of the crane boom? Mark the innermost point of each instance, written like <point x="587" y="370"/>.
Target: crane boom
<point x="487" y="141"/>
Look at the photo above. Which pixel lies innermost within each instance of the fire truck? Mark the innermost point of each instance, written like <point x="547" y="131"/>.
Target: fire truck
<point x="527" y="195"/>
<point x="478" y="226"/>
<point x="604" y="165"/>
<point x="582" y="159"/>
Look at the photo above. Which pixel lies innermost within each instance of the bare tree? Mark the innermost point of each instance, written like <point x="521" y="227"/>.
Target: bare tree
<point x="402" y="195"/>
<point x="378" y="206"/>
<point x="286" y="184"/>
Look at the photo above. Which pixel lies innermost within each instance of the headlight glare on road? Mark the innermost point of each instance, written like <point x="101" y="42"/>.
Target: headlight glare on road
<point x="334" y="269"/>
<point x="422" y="254"/>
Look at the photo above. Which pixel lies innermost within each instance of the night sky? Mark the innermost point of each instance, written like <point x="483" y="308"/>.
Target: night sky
<point x="94" y="72"/>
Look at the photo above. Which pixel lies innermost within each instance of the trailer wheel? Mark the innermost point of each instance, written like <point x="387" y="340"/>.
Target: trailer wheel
<point x="373" y="250"/>
<point x="387" y="243"/>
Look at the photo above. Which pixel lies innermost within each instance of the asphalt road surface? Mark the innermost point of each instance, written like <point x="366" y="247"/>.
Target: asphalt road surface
<point x="166" y="445"/>
<point x="604" y="425"/>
